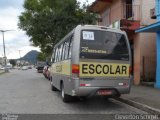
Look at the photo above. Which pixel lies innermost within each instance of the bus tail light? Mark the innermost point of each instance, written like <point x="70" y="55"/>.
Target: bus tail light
<point x="75" y="69"/>
<point x="85" y="85"/>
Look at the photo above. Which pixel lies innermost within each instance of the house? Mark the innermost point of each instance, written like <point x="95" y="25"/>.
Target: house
<point x="129" y="15"/>
<point x="155" y="28"/>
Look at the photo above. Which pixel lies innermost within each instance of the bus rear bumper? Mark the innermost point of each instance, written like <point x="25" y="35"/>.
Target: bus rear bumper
<point x="92" y="91"/>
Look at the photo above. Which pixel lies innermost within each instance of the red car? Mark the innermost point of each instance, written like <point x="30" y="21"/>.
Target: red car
<point x="46" y="72"/>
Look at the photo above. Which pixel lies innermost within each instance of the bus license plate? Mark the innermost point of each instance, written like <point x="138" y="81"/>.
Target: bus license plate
<point x="104" y="92"/>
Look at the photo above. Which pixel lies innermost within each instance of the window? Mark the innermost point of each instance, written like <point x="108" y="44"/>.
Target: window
<point x="103" y="45"/>
<point x="53" y="56"/>
<point x="66" y="49"/>
<point x="56" y="55"/>
<point x="60" y="52"/>
<point x="63" y="51"/>
<point x="70" y="47"/>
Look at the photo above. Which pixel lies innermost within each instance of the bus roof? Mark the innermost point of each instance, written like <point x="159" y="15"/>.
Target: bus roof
<point x="101" y="27"/>
<point x="97" y="27"/>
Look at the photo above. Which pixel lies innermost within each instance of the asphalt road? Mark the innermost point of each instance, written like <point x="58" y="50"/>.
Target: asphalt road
<point x="28" y="92"/>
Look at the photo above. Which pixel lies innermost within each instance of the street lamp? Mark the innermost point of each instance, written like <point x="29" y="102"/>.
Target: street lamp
<point x="5" y="60"/>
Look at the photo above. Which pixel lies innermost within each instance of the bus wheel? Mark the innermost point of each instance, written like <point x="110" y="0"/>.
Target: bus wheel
<point x="66" y="98"/>
<point x="53" y="88"/>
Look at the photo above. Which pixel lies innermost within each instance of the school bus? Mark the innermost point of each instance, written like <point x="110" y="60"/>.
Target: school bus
<point x="92" y="60"/>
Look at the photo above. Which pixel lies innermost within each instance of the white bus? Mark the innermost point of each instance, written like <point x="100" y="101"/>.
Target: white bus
<point x="92" y="60"/>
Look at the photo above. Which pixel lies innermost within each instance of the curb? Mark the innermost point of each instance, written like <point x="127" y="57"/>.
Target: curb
<point x="140" y="106"/>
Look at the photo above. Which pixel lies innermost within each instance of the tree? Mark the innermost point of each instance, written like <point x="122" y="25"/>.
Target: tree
<point x="47" y="21"/>
<point x="13" y="62"/>
<point x="41" y="57"/>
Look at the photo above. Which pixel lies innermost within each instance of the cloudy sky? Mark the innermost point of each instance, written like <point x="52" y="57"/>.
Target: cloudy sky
<point x="15" y="40"/>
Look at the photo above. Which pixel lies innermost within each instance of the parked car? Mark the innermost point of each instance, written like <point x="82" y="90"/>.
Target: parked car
<point x="19" y="68"/>
<point x="29" y="67"/>
<point x="45" y="69"/>
<point x="46" y="72"/>
<point x="2" y="68"/>
<point x="40" y="66"/>
<point x="9" y="66"/>
<point x="24" y="68"/>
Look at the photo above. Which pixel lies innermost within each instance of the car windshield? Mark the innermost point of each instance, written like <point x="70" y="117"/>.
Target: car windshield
<point x="41" y="64"/>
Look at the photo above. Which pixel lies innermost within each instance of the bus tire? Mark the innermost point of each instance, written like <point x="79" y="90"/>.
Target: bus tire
<point x="66" y="98"/>
<point x="53" y="88"/>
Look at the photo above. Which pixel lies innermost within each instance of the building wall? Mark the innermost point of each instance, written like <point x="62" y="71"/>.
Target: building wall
<point x="115" y="10"/>
<point x="137" y="54"/>
<point x="145" y="6"/>
<point x="144" y="44"/>
<point x="148" y="57"/>
<point x="105" y="18"/>
<point x="144" y="56"/>
<point x="148" y="44"/>
<point x="141" y="8"/>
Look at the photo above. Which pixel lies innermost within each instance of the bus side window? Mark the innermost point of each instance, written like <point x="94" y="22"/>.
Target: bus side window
<point x="66" y="49"/>
<point x="61" y="52"/>
<point x="53" y="56"/>
<point x="56" y="55"/>
<point x="70" y="47"/>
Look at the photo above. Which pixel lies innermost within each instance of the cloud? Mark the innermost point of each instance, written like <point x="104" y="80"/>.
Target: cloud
<point x="17" y="39"/>
<point x="11" y="3"/>
<point x="9" y="18"/>
<point x="13" y="53"/>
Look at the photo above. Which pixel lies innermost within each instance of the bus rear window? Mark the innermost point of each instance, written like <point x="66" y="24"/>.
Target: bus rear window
<point x="96" y="44"/>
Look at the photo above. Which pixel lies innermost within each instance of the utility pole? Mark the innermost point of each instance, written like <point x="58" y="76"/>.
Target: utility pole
<point x="20" y="55"/>
<point x="4" y="49"/>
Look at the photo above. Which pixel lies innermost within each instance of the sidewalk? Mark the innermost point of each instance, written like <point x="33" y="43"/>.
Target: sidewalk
<point x="143" y="97"/>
